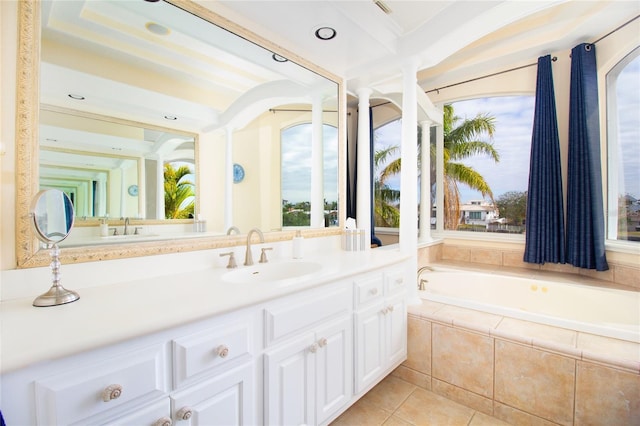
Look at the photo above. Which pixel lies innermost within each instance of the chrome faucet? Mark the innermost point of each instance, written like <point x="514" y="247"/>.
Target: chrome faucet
<point x="248" y="259"/>
<point x="126" y="225"/>
<point x="233" y="229"/>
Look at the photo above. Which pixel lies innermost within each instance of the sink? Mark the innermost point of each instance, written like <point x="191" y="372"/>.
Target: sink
<point x="281" y="273"/>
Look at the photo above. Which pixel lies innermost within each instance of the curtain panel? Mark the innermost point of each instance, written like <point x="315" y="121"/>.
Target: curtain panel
<point x="585" y="211"/>
<point x="545" y="237"/>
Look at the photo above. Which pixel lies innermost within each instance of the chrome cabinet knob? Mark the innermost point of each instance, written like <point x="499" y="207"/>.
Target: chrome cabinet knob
<point x="111" y="392"/>
<point x="385" y="311"/>
<point x="390" y="308"/>
<point x="313" y="348"/>
<point x="184" y="413"/>
<point x="373" y="291"/>
<point x="222" y="351"/>
<point x="164" y="421"/>
<point x="322" y="342"/>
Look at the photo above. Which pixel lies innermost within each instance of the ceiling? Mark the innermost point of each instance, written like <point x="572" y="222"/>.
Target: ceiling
<point x="452" y="38"/>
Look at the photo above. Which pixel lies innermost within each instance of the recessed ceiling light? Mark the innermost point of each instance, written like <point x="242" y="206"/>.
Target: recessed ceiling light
<point x="157" y="29"/>
<point x="76" y="97"/>
<point x="170" y="117"/>
<point x="279" y="58"/>
<point x="325" y="33"/>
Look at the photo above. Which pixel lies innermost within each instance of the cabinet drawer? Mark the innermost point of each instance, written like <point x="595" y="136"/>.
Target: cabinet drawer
<point x="368" y="289"/>
<point x="296" y="314"/>
<point x="207" y="350"/>
<point x="395" y="281"/>
<point x="94" y="389"/>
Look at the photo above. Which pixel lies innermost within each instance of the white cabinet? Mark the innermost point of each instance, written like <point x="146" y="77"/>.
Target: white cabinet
<point x="297" y="359"/>
<point x="380" y="326"/>
<point x="225" y="400"/>
<point x="308" y="377"/>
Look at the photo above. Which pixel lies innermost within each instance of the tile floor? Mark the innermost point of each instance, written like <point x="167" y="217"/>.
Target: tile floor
<point x="394" y="402"/>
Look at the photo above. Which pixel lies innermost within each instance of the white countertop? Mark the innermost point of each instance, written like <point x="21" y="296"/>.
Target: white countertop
<point x="114" y="313"/>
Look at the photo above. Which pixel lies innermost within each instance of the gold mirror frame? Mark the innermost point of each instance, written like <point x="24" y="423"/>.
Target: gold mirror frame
<point x="27" y="118"/>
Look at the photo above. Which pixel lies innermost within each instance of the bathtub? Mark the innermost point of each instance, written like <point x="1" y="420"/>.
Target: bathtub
<point x="590" y="309"/>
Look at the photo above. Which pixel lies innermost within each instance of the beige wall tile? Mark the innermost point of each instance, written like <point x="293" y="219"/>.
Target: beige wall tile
<point x="612" y="347"/>
<point x="419" y="345"/>
<point x="463" y="396"/>
<point x="606" y="396"/>
<point x="626" y="275"/>
<point x="514" y="259"/>
<point x="535" y="381"/>
<point x="486" y="257"/>
<point x="538" y="331"/>
<point x="458" y="253"/>
<point x="463" y="359"/>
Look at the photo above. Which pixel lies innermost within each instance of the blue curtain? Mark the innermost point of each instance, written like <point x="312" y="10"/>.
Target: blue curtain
<point x="545" y="210"/>
<point x="585" y="212"/>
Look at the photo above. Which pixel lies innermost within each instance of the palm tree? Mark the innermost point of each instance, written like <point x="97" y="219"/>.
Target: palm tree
<point x="385" y="210"/>
<point x="460" y="142"/>
<point x="178" y="191"/>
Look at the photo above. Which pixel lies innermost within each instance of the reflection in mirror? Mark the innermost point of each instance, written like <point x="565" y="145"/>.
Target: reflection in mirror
<point x="114" y="168"/>
<point x="163" y="65"/>
<point x="52" y="214"/>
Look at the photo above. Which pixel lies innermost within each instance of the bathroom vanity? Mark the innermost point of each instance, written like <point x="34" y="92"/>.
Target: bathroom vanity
<point x="196" y="348"/>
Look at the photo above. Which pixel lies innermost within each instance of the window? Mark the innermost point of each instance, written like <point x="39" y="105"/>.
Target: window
<point x="469" y="173"/>
<point x="296" y="174"/>
<point x="475" y="215"/>
<point x="623" y="143"/>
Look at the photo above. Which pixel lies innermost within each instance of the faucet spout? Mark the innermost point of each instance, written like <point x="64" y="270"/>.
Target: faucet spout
<point x="248" y="259"/>
<point x="126" y="226"/>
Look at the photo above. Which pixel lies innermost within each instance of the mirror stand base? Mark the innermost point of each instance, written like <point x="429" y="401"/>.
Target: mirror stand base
<point x="57" y="295"/>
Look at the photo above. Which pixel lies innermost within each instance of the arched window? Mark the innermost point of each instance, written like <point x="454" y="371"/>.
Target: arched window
<point x="296" y="174"/>
<point x="623" y="147"/>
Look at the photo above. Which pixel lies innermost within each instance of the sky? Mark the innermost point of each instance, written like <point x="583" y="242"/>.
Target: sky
<point x="512" y="139"/>
<point x="296" y="163"/>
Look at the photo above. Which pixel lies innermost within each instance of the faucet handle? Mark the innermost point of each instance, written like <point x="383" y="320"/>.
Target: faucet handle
<point x="263" y="254"/>
<point x="137" y="230"/>
<point x="115" y="231"/>
<point x="232" y="260"/>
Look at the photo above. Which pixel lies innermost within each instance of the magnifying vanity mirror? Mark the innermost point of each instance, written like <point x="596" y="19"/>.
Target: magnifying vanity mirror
<point x="53" y="216"/>
<point x="111" y="94"/>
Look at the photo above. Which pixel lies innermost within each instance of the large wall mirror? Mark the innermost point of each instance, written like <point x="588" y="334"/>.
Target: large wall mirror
<point x="117" y="97"/>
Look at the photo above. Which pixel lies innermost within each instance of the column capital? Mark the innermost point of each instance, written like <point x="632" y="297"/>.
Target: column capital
<point x="364" y="92"/>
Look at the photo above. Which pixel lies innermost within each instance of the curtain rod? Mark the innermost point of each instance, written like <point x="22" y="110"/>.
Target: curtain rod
<point x="529" y="65"/>
<point x="486" y="76"/>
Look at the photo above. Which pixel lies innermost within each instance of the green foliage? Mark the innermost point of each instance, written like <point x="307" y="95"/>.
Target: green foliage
<point x="513" y="206"/>
<point x="179" y="195"/>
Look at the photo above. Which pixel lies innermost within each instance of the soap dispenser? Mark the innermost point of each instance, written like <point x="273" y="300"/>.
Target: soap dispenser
<point x="297" y="245"/>
<point x="104" y="227"/>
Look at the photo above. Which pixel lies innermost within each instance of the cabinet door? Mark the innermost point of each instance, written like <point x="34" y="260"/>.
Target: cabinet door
<point x="396" y="330"/>
<point x="290" y="382"/>
<point x="225" y="400"/>
<point x="370" y="345"/>
<point x="334" y="368"/>
<point x="158" y="414"/>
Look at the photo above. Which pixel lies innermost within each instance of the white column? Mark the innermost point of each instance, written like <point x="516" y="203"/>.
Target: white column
<point x="317" y="165"/>
<point x="160" y="188"/>
<point x="424" y="232"/>
<point x="409" y="176"/>
<point x="409" y="158"/>
<point x="228" y="181"/>
<point x="363" y="186"/>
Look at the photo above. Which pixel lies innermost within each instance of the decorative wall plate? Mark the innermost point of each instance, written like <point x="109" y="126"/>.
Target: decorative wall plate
<point x="238" y="173"/>
<point x="133" y="190"/>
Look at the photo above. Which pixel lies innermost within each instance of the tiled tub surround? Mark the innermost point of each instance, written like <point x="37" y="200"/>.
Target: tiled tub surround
<point x="522" y="372"/>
